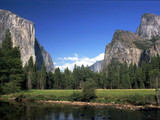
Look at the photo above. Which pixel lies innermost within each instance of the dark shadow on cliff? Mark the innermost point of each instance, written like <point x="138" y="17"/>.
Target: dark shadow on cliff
<point x="145" y="56"/>
<point x="38" y="53"/>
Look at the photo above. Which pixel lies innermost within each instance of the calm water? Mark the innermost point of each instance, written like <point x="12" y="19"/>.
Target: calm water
<point x="34" y="111"/>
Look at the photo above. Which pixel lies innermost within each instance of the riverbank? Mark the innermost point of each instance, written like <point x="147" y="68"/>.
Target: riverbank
<point x="124" y="106"/>
<point x="133" y="99"/>
<point x="113" y="105"/>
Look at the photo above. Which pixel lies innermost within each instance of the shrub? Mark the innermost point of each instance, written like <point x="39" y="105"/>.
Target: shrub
<point x="110" y="99"/>
<point x="99" y="100"/>
<point x="135" y="99"/>
<point x="20" y="97"/>
<point x="76" y="96"/>
<point x="140" y="99"/>
<point x="88" y="91"/>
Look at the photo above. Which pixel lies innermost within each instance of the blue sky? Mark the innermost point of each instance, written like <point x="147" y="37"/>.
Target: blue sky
<point x="77" y="31"/>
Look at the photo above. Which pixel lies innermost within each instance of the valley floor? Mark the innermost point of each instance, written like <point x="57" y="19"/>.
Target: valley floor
<point x="119" y="98"/>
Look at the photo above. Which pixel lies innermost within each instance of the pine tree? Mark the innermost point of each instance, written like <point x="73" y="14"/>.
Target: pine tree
<point x="50" y="80"/>
<point x="43" y="76"/>
<point x="113" y="75"/>
<point x="76" y="76"/>
<point x="140" y="77"/>
<point x="35" y="76"/>
<point x="102" y="80"/>
<point x="11" y="74"/>
<point x="126" y="81"/>
<point x="7" y="42"/>
<point x="124" y="76"/>
<point x="57" y="79"/>
<point x="30" y="73"/>
<point x="132" y="75"/>
<point x="68" y="79"/>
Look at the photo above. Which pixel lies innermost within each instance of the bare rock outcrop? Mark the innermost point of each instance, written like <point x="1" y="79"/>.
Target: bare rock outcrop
<point x="122" y="48"/>
<point x="150" y="26"/>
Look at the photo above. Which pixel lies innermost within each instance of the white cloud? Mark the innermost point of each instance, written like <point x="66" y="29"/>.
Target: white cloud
<point x="80" y="61"/>
<point x="75" y="58"/>
<point x="76" y="55"/>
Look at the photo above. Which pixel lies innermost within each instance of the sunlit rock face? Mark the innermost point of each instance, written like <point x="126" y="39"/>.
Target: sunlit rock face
<point x="150" y="26"/>
<point x="134" y="48"/>
<point x="23" y="36"/>
<point x="122" y="48"/>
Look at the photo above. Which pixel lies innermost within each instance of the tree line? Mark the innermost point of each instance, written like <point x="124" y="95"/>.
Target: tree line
<point x="14" y="77"/>
<point x="115" y="76"/>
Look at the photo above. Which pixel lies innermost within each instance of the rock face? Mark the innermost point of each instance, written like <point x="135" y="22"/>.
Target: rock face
<point x="150" y="26"/>
<point x="134" y="48"/>
<point x="42" y="55"/>
<point x="23" y="35"/>
<point x="97" y="66"/>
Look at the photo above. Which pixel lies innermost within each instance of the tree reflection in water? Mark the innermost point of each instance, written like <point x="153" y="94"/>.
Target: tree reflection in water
<point x="35" y="111"/>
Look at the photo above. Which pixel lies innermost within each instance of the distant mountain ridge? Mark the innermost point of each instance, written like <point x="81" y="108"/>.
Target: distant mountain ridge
<point x="23" y="35"/>
<point x="97" y="66"/>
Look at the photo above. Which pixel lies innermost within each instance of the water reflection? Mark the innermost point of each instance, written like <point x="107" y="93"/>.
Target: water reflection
<point x="34" y="111"/>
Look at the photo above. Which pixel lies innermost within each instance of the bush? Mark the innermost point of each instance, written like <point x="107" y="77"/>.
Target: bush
<point x="137" y="99"/>
<point x="20" y="97"/>
<point x="88" y="91"/>
<point x="76" y="96"/>
<point x="110" y="99"/>
<point x="99" y="100"/>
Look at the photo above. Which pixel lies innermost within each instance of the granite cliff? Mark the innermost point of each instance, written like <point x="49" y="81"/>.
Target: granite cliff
<point x="150" y="26"/>
<point x="23" y="35"/>
<point x="135" y="47"/>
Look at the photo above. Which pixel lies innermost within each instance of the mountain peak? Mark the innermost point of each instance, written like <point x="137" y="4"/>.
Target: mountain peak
<point x="149" y="15"/>
<point x="150" y="26"/>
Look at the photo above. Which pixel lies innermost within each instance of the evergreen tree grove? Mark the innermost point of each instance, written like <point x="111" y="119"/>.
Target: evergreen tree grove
<point x="11" y="73"/>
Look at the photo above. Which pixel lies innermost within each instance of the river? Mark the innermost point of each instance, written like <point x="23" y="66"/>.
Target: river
<point x="40" y="111"/>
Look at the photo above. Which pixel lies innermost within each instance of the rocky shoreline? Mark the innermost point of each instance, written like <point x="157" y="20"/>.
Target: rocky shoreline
<point x="113" y="105"/>
<point x="124" y="106"/>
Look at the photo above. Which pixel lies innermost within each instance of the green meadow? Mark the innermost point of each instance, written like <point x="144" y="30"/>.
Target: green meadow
<point x="101" y="93"/>
<point x="132" y="96"/>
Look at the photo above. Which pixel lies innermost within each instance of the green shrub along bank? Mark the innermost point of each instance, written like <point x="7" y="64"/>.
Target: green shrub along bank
<point x="135" y="99"/>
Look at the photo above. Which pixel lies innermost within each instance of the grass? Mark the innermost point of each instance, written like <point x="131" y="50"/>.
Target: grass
<point x="101" y="93"/>
<point x="133" y="96"/>
<point x="124" y="92"/>
<point x="56" y="93"/>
